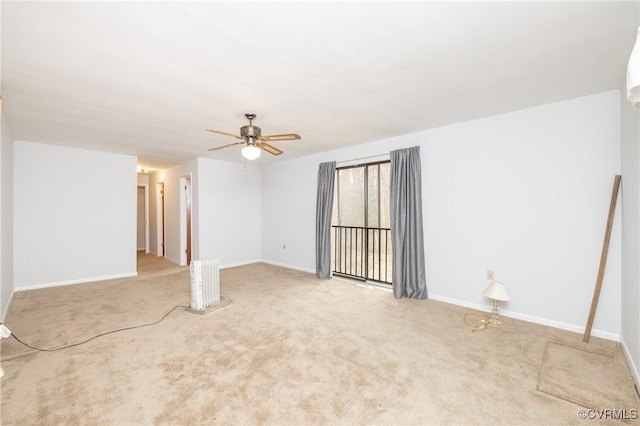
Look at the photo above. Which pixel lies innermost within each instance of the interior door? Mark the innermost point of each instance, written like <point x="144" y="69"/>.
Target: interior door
<point x="140" y="222"/>
<point x="187" y="190"/>
<point x="162" y="250"/>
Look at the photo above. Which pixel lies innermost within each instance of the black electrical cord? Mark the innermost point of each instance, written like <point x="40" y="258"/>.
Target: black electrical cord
<point x="99" y="335"/>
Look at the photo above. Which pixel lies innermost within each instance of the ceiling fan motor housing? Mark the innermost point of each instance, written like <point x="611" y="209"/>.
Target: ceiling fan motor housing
<point x="250" y="133"/>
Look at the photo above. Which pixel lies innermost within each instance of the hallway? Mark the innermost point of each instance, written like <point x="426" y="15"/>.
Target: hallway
<point x="149" y="264"/>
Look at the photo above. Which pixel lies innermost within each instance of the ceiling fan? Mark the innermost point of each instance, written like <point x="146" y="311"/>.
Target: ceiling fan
<point x="252" y="137"/>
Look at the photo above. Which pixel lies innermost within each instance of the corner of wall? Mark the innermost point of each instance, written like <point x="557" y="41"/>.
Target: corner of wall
<point x="635" y="372"/>
<point x="630" y="288"/>
<point x="6" y="218"/>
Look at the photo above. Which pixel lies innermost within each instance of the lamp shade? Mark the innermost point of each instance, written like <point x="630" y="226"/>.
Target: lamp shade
<point x="251" y="152"/>
<point x="497" y="291"/>
<point x="633" y="74"/>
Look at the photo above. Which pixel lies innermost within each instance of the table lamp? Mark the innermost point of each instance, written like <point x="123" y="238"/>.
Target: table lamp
<point x="498" y="293"/>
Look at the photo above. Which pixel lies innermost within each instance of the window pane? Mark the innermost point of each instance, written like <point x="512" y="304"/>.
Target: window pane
<point x="351" y="197"/>
<point x="336" y="189"/>
<point x="385" y="204"/>
<point x="373" y="188"/>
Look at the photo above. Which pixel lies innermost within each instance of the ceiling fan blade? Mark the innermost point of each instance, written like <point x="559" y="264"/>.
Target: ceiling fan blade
<point x="270" y="149"/>
<point x="223" y="133"/>
<point x="285" y="137"/>
<point x="225" y="146"/>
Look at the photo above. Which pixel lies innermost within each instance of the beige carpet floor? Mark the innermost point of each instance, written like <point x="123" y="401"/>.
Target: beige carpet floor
<point x="585" y="376"/>
<point x="288" y="349"/>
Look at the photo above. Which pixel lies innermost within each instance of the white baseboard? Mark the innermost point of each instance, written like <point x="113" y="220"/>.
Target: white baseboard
<point x="635" y="372"/>
<point x="524" y="317"/>
<point x="285" y="265"/>
<point x="78" y="281"/>
<point x="245" y="262"/>
<point x="530" y="318"/>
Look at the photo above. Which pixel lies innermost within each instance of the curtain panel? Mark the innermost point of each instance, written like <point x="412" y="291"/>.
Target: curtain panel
<point x="324" y="210"/>
<point x="406" y="224"/>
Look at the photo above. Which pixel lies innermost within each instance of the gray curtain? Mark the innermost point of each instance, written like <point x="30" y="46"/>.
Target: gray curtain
<point x="324" y="210"/>
<point x="406" y="224"/>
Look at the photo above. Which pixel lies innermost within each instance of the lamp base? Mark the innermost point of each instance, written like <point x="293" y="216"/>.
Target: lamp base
<point x="494" y="317"/>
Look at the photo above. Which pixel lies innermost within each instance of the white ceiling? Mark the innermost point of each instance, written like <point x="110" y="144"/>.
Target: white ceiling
<point x="147" y="78"/>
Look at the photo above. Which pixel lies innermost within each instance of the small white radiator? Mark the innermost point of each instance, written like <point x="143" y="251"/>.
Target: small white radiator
<point x="205" y="284"/>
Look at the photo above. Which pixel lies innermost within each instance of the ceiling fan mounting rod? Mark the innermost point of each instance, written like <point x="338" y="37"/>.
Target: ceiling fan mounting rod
<point x="250" y="117"/>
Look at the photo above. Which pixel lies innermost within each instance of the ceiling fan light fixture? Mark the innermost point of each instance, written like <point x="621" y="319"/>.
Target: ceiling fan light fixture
<point x="251" y="152"/>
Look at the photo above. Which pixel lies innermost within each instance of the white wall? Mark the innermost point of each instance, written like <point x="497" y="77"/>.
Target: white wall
<point x="143" y="179"/>
<point x="630" y="332"/>
<point x="289" y="208"/>
<point x="6" y="218"/>
<point x="524" y="193"/>
<point x="74" y="215"/>
<point x="229" y="197"/>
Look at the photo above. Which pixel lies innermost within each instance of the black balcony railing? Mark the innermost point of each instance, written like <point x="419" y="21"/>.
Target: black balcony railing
<point x="363" y="253"/>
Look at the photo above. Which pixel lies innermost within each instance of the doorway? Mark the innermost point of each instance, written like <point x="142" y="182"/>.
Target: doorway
<point x="142" y="220"/>
<point x="187" y="190"/>
<point x="185" y="220"/>
<point x="160" y="213"/>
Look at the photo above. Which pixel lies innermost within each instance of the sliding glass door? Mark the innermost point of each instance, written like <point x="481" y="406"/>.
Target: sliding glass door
<point x="361" y="234"/>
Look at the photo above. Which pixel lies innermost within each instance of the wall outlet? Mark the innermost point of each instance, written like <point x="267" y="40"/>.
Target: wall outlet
<point x="491" y="275"/>
<point x="284" y="247"/>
